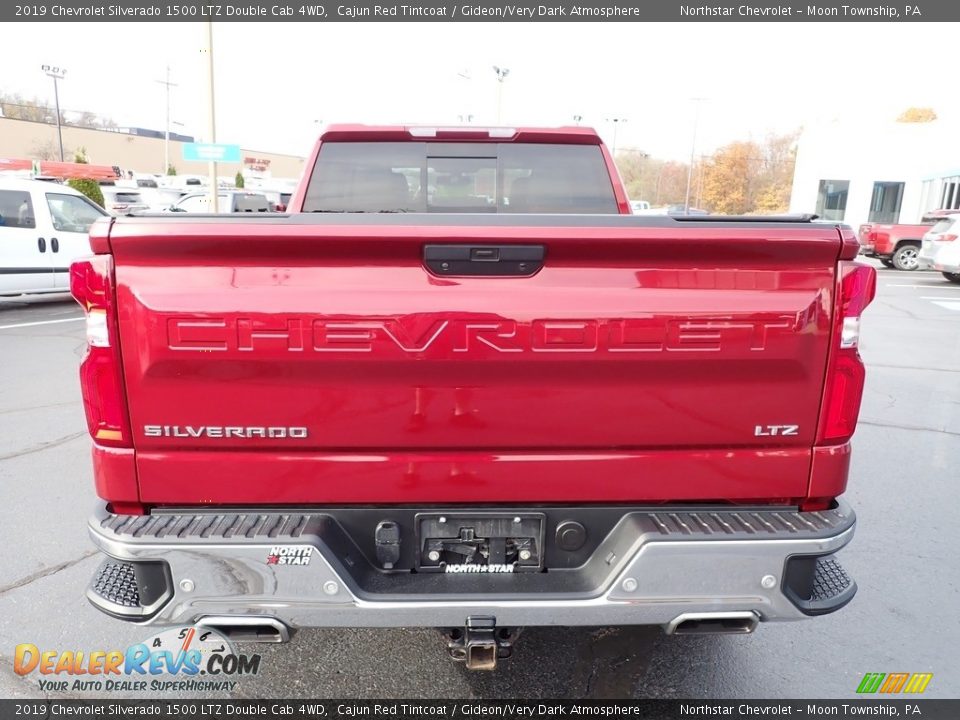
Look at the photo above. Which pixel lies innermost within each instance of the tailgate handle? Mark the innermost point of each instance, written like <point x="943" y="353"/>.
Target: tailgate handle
<point x="486" y="260"/>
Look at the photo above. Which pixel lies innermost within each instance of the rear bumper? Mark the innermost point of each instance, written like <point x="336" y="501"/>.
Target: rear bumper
<point x="655" y="567"/>
<point x="927" y="254"/>
<point x="947" y="267"/>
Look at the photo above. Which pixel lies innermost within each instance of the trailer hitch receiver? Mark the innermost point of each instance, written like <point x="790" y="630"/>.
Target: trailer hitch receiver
<point x="480" y="643"/>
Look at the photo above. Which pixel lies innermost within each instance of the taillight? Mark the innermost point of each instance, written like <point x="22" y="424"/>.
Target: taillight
<point x="91" y="282"/>
<point x="946" y="237"/>
<point x="856" y="288"/>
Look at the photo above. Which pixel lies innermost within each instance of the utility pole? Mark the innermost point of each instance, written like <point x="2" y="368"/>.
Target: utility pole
<point x="693" y="148"/>
<point x="616" y="123"/>
<point x="501" y="76"/>
<point x="166" y="136"/>
<point x="211" y="119"/>
<point x="703" y="159"/>
<point x="56" y="73"/>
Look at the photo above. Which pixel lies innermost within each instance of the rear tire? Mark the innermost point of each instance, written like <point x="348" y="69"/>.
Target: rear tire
<point x="905" y="257"/>
<point x="887" y="262"/>
<point x="952" y="277"/>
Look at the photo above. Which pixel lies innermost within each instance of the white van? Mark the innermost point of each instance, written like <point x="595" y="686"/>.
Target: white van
<point x="43" y="228"/>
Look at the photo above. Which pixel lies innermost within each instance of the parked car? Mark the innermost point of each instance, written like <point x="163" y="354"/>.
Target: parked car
<point x="160" y="199"/>
<point x="228" y="201"/>
<point x="897" y="245"/>
<point x="940" y="248"/>
<point x="681" y="210"/>
<point x="123" y="200"/>
<point x="184" y="182"/>
<point x="639" y="205"/>
<point x="43" y="228"/>
<point x="279" y="199"/>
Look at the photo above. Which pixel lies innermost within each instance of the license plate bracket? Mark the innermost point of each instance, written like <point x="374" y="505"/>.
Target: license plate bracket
<point x="480" y="542"/>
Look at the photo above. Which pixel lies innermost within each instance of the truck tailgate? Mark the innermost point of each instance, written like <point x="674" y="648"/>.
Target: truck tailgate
<point x="317" y="360"/>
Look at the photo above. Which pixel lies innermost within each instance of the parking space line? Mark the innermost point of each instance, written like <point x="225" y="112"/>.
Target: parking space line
<point x="955" y="305"/>
<point x="937" y="297"/>
<point x="928" y="287"/>
<point x="42" y="322"/>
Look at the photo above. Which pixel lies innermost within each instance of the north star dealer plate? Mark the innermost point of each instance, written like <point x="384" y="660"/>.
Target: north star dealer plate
<point x="480" y="542"/>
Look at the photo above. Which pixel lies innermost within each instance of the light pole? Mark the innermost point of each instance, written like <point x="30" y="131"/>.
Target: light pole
<point x="466" y="117"/>
<point x="57" y="73"/>
<point x="693" y="148"/>
<point x="211" y="119"/>
<point x="166" y="136"/>
<point x="616" y="123"/>
<point x="501" y="76"/>
<point x="643" y="157"/>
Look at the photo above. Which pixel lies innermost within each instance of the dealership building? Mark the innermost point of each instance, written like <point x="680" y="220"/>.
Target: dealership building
<point x="136" y="149"/>
<point x="887" y="173"/>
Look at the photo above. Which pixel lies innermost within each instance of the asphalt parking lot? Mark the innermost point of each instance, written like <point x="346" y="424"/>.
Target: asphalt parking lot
<point x="903" y="485"/>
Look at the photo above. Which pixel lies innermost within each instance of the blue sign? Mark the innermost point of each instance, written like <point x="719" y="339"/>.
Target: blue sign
<point x="211" y="152"/>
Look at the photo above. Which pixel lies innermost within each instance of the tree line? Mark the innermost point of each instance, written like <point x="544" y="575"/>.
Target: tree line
<point x="744" y="177"/>
<point x="17" y="107"/>
<point x="741" y="178"/>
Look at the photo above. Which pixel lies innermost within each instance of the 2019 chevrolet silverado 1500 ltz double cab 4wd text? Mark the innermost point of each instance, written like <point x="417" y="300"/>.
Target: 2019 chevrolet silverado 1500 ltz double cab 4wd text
<point x="460" y="386"/>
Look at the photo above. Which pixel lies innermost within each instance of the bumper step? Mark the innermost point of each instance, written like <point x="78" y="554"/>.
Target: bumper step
<point x="830" y="582"/>
<point x="116" y="583"/>
<point x="818" y="585"/>
<point x="130" y="590"/>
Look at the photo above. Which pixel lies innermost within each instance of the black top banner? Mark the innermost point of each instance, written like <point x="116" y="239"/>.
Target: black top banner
<point x="222" y="709"/>
<point x="482" y="11"/>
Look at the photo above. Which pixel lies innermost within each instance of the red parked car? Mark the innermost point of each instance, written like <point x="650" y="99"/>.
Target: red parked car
<point x="898" y="246"/>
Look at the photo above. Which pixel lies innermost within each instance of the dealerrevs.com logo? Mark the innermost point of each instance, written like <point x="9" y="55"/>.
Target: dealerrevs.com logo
<point x="181" y="659"/>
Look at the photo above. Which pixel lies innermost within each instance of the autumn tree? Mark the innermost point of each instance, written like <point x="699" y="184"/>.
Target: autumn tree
<point x="671" y="184"/>
<point x="748" y="177"/>
<point x="917" y="115"/>
<point x="634" y="171"/>
<point x="727" y="179"/>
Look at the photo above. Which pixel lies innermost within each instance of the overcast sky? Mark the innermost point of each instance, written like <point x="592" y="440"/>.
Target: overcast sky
<point x="275" y="81"/>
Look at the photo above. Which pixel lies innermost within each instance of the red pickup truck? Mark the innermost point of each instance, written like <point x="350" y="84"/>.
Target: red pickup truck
<point x="898" y="246"/>
<point x="459" y="386"/>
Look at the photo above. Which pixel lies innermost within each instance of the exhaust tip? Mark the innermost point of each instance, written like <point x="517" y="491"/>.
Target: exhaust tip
<point x="718" y="623"/>
<point x="248" y="629"/>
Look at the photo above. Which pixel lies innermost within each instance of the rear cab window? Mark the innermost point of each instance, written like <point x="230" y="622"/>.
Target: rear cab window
<point x="460" y="177"/>
<point x="16" y="209"/>
<point x="129" y="197"/>
<point x="251" y="203"/>
<point x="943" y="225"/>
